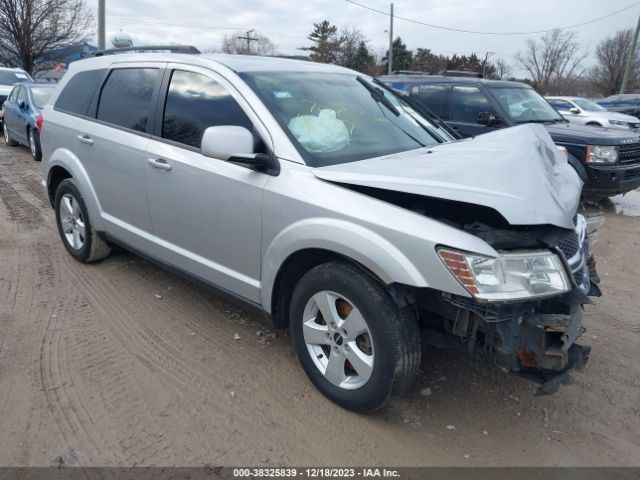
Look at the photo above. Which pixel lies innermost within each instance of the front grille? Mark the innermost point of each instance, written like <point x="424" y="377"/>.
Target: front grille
<point x="632" y="174"/>
<point x="630" y="153"/>
<point x="570" y="245"/>
<point x="576" y="253"/>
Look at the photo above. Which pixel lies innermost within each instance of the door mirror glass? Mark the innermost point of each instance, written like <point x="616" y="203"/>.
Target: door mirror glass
<point x="22" y="105"/>
<point x="575" y="110"/>
<point x="226" y="141"/>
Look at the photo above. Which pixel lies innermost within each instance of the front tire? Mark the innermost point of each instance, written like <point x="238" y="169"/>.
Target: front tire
<point x="74" y="226"/>
<point x="7" y="136"/>
<point x="353" y="341"/>
<point x="34" y="144"/>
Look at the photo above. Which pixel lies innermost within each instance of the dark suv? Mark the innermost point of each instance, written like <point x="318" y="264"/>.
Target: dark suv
<point x="607" y="160"/>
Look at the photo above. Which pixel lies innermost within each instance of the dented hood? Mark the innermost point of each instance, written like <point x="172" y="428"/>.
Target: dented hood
<point x="518" y="172"/>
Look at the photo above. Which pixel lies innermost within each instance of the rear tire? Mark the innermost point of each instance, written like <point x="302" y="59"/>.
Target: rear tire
<point x="34" y="144"/>
<point x="7" y="136"/>
<point x="353" y="341"/>
<point x="74" y="226"/>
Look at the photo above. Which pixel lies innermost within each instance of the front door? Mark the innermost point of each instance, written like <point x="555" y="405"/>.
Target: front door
<point x="468" y="106"/>
<point x="206" y="213"/>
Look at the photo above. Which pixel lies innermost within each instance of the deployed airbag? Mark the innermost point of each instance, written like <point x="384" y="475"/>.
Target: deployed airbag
<point x="320" y="134"/>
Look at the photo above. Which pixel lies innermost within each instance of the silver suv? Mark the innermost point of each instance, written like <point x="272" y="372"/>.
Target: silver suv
<point x="330" y="204"/>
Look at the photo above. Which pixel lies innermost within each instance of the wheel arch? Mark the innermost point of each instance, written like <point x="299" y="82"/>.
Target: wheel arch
<point x="302" y="247"/>
<point x="62" y="165"/>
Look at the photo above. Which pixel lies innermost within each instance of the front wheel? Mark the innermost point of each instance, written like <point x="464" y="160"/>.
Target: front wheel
<point x="353" y="341"/>
<point x="7" y="136"/>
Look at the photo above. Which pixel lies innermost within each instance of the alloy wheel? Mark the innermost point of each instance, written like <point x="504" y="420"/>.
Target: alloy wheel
<point x="73" y="226"/>
<point x="338" y="340"/>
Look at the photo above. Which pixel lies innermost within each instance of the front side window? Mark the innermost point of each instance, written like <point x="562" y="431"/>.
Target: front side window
<point x="79" y="91"/>
<point x="22" y="96"/>
<point x="468" y="103"/>
<point x="14" y="94"/>
<point x="196" y="102"/>
<point x="125" y="100"/>
<point x="335" y="118"/>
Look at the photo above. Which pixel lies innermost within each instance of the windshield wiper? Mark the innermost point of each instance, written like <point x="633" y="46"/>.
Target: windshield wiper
<point x="378" y="95"/>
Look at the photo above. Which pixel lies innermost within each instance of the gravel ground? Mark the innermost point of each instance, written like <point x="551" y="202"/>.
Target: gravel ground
<point x="96" y="369"/>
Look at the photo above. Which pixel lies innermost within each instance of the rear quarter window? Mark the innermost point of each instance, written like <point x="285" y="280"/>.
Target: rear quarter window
<point x="78" y="93"/>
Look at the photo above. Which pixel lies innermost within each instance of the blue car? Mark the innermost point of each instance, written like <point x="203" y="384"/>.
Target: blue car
<point x="22" y="116"/>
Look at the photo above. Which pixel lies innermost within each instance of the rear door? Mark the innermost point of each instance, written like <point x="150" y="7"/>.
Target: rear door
<point x="113" y="141"/>
<point x="468" y="105"/>
<point x="206" y="212"/>
<point x="434" y="96"/>
<point x="10" y="110"/>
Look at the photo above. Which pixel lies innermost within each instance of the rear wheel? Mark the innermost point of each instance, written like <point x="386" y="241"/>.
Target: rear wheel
<point x="34" y="144"/>
<point x="7" y="136"/>
<point x="74" y="226"/>
<point x="355" y="344"/>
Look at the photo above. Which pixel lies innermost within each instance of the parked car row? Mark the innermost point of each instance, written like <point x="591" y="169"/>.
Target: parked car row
<point x="338" y="207"/>
<point x="607" y="160"/>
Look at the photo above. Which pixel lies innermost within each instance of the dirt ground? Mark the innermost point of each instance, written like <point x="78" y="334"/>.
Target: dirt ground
<point x="96" y="369"/>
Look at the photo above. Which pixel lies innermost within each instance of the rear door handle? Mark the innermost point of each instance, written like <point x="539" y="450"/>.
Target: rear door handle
<point x="159" y="163"/>
<point x="85" y="139"/>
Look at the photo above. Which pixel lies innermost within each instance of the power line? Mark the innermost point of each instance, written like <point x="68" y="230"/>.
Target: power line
<point x="460" y="30"/>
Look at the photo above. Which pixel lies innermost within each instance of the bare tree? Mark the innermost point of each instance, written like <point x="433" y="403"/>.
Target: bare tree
<point x="259" y="45"/>
<point x="556" y="55"/>
<point x="611" y="58"/>
<point x="349" y="41"/>
<point x="29" y="28"/>
<point x="503" y="69"/>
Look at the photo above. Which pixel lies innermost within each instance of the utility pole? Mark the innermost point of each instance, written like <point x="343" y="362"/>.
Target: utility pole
<point x="101" y="24"/>
<point x="630" y="59"/>
<point x="391" y="42"/>
<point x="249" y="39"/>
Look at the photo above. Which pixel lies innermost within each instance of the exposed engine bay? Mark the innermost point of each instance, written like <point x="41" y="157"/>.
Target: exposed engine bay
<point x="534" y="337"/>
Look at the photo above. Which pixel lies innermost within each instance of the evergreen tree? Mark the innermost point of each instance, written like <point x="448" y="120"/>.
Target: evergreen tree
<point x="363" y="60"/>
<point x="402" y="56"/>
<point x="327" y="43"/>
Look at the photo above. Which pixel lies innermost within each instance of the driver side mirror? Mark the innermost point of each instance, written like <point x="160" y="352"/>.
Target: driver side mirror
<point x="22" y="105"/>
<point x="236" y="145"/>
<point x="487" y="119"/>
<point x="575" y="110"/>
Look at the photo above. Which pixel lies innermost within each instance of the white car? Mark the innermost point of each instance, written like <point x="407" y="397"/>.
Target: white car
<point x="585" y="112"/>
<point x="8" y="78"/>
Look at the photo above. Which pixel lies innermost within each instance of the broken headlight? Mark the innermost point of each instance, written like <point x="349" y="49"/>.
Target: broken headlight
<point x="602" y="154"/>
<point x="511" y="276"/>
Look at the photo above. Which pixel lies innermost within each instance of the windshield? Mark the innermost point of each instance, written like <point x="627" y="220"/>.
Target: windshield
<point x="340" y="118"/>
<point x="524" y="105"/>
<point x="9" y="78"/>
<point x="40" y="95"/>
<point x="588" y="105"/>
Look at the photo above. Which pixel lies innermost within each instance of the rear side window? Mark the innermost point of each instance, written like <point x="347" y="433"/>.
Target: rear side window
<point x="126" y="97"/>
<point x="78" y="93"/>
<point x="196" y="102"/>
<point x="434" y="97"/>
<point x="467" y="103"/>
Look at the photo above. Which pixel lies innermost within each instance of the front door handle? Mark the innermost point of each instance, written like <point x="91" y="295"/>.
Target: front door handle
<point x="159" y="163"/>
<point x="85" y="139"/>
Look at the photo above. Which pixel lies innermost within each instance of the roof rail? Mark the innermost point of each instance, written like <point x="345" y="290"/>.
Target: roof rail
<point x="460" y="73"/>
<point x="146" y="48"/>
<point x="409" y="72"/>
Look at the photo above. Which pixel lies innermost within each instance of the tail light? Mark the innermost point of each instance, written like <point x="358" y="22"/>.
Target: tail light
<point x="39" y="122"/>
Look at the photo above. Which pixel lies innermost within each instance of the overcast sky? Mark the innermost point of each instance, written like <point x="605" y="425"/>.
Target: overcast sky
<point x="288" y="22"/>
